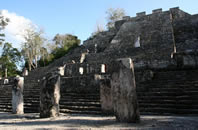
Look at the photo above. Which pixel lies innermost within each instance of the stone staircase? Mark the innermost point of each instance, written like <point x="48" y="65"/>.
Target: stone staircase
<point x="80" y="103"/>
<point x="6" y="98"/>
<point x="170" y="92"/>
<point x="31" y="93"/>
<point x="80" y="96"/>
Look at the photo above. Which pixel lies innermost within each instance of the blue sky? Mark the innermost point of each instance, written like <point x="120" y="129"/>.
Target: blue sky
<point x="79" y="17"/>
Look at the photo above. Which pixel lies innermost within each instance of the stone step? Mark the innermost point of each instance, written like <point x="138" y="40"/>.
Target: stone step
<point x="5" y="101"/>
<point x="5" y="110"/>
<point x="32" y="89"/>
<point x="157" y="94"/>
<point x="31" y="96"/>
<point x="6" y="106"/>
<point x="31" y="110"/>
<point x="164" y="89"/>
<point x="159" y="84"/>
<point x="79" y="100"/>
<point x="160" y="110"/>
<point x="31" y="85"/>
<point x="156" y="101"/>
<point x="32" y="101"/>
<point x="164" y="105"/>
<point x="81" y="94"/>
<point x="80" y="112"/>
<point x="89" y="104"/>
<point x="81" y="108"/>
<point x="4" y="97"/>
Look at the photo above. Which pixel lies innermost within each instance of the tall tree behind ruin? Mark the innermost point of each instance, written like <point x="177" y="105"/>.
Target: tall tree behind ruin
<point x="61" y="45"/>
<point x="114" y="14"/>
<point x="64" y="43"/>
<point x="31" y="48"/>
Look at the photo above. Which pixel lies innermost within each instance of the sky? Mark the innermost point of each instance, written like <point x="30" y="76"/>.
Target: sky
<point x="77" y="17"/>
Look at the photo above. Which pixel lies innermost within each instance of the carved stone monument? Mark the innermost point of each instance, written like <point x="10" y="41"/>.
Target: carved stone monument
<point x="123" y="90"/>
<point x="17" y="95"/>
<point x="50" y="94"/>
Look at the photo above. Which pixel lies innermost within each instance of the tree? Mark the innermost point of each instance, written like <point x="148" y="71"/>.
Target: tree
<point x="99" y="28"/>
<point x="31" y="49"/>
<point x="3" y="23"/>
<point x="66" y="40"/>
<point x="113" y="15"/>
<point x="44" y="56"/>
<point x="9" y="60"/>
<point x="62" y="45"/>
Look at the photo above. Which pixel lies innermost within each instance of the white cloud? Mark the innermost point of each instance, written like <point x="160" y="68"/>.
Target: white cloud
<point x="16" y="27"/>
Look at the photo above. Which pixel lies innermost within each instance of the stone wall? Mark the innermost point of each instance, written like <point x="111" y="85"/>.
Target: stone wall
<point x="79" y="84"/>
<point x="186" y="34"/>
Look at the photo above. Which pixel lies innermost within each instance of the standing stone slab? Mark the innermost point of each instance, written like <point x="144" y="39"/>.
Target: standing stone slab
<point x="50" y="94"/>
<point x="17" y="95"/>
<point x="123" y="89"/>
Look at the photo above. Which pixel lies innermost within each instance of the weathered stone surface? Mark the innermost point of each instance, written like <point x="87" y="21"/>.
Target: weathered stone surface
<point x="186" y="59"/>
<point x="50" y="94"/>
<point x="106" y="96"/>
<point x="17" y="95"/>
<point x="123" y="90"/>
<point x="144" y="75"/>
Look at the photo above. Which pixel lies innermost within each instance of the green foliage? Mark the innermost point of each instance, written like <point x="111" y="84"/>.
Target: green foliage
<point x="64" y="43"/>
<point x="113" y="15"/>
<point x="9" y="59"/>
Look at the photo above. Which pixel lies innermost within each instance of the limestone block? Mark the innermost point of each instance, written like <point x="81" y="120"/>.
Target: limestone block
<point x="123" y="89"/>
<point x="17" y="95"/>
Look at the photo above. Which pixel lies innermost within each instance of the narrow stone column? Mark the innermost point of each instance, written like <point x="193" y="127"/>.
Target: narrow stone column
<point x="17" y="95"/>
<point x="50" y="94"/>
<point x="123" y="90"/>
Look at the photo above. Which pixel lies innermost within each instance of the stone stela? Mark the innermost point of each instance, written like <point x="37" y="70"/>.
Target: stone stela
<point x="17" y="95"/>
<point x="50" y="94"/>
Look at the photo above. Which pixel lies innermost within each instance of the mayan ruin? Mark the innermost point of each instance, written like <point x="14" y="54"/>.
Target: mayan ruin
<point x="145" y="65"/>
